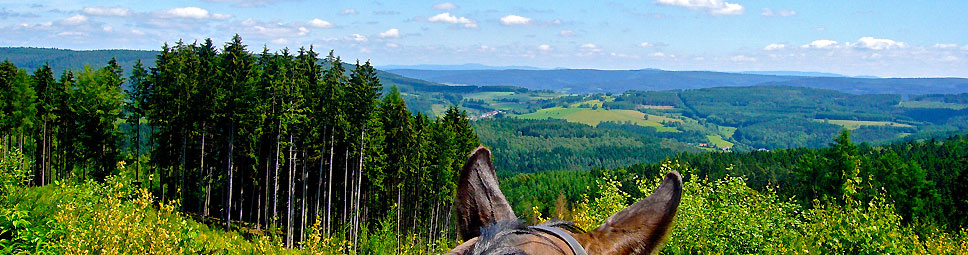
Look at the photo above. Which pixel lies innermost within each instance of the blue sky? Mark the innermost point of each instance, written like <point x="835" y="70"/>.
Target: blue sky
<point x="883" y="38"/>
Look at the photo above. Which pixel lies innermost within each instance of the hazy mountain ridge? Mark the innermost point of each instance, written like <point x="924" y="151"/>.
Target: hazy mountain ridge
<point x="468" y="66"/>
<point x="617" y="81"/>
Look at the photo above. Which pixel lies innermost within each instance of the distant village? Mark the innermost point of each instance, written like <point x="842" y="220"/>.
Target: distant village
<point x="485" y="115"/>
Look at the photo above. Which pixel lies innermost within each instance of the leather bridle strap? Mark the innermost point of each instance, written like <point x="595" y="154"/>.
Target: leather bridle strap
<point x="572" y="243"/>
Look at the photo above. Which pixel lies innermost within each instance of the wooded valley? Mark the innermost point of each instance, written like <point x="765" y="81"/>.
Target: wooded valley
<point x="208" y="149"/>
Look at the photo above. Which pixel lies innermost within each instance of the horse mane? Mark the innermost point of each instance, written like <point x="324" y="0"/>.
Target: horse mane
<point x="499" y="238"/>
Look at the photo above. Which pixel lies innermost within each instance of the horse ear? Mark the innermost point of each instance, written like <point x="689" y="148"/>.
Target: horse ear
<point x="640" y="228"/>
<point x="479" y="199"/>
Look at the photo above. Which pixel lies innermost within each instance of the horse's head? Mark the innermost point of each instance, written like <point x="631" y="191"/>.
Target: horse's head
<point x="486" y="221"/>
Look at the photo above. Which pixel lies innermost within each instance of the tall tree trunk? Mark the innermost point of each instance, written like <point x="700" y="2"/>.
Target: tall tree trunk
<point x="137" y="152"/>
<point x="398" y="216"/>
<point x="292" y="169"/>
<point x="359" y="185"/>
<point x="319" y="182"/>
<point x="275" y="176"/>
<point x="181" y="170"/>
<point x="43" y="155"/>
<point x="265" y="187"/>
<point x="302" y="222"/>
<point x="228" y="207"/>
<point x="346" y="184"/>
<point x="329" y="181"/>
<point x="242" y="197"/>
<point x="201" y="168"/>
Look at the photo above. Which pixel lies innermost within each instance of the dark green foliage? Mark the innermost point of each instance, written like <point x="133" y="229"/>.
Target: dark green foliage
<point x="525" y="146"/>
<point x="270" y="142"/>
<point x="923" y="180"/>
<point x="750" y="105"/>
<point x="786" y="133"/>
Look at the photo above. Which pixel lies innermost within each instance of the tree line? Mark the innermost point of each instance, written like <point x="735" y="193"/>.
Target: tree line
<point x="272" y="141"/>
<point x="924" y="180"/>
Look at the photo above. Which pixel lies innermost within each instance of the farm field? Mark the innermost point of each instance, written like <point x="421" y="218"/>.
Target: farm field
<point x="855" y="124"/>
<point x="718" y="141"/>
<point x="932" y="105"/>
<point x="594" y="116"/>
<point x="725" y="131"/>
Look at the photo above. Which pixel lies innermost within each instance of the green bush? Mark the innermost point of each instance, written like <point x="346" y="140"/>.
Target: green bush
<point x="726" y="216"/>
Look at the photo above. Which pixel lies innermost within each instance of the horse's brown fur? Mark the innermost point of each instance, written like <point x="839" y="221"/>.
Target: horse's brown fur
<point x="638" y="229"/>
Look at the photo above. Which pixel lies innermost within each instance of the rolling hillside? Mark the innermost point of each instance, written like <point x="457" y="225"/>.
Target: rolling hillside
<point x="618" y="81"/>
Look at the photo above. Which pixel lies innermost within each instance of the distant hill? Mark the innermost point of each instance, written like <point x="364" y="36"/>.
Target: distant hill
<point x="469" y="66"/>
<point x="617" y="81"/>
<point x="795" y="73"/>
<point x="61" y="59"/>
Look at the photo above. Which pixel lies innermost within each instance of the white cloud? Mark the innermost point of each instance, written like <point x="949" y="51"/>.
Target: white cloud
<point x="512" y="20"/>
<point x="662" y="55"/>
<point x="107" y="28"/>
<point x="391" y="33"/>
<point x="566" y="33"/>
<point x="623" y="55"/>
<point x="137" y="32"/>
<point x="446" y="17"/>
<point x="588" y="49"/>
<point x="221" y="16"/>
<point x="320" y="23"/>
<point x="714" y="7"/>
<point x="446" y="6"/>
<point x="950" y="59"/>
<point x="821" y="44"/>
<point x="71" y="33"/>
<point x="767" y="12"/>
<point x="945" y="46"/>
<point x="544" y="47"/>
<point x="106" y="11"/>
<point x="876" y="43"/>
<point x="646" y="45"/>
<point x="485" y="48"/>
<point x="356" y="38"/>
<point x="74" y="20"/>
<point x="188" y="12"/>
<point x="303" y="31"/>
<point x="280" y="41"/>
<point x="775" y="46"/>
<point x="246" y="3"/>
<point x="349" y="11"/>
<point x="392" y="45"/>
<point x="742" y="58"/>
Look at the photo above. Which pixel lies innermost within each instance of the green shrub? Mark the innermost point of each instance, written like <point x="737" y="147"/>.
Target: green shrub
<point x="727" y="217"/>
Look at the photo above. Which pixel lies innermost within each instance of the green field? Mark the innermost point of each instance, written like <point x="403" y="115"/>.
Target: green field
<point x="727" y="132"/>
<point x="590" y="103"/>
<point x="593" y="117"/>
<point x="932" y="105"/>
<point x="490" y="96"/>
<point x="855" y="124"/>
<point x="718" y="141"/>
